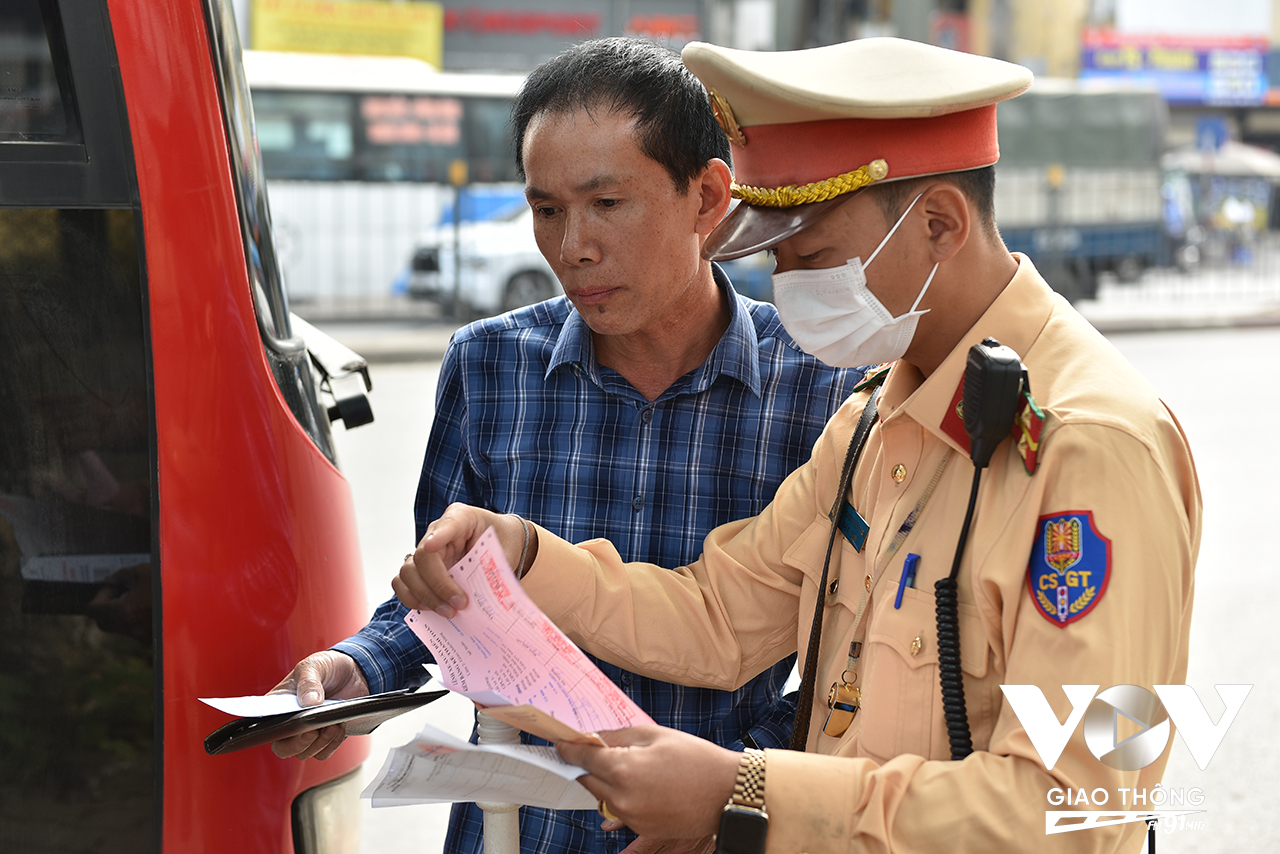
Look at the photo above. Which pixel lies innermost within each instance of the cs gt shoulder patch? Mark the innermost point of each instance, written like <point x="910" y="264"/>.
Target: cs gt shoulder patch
<point x="1070" y="566"/>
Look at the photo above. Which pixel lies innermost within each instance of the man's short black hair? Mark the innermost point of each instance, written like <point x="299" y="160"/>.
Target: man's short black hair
<point x="978" y="186"/>
<point x="675" y="125"/>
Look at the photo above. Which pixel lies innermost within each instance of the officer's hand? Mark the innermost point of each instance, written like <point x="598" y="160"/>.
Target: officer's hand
<point x="424" y="582"/>
<point x="662" y="783"/>
<point x="319" y="675"/>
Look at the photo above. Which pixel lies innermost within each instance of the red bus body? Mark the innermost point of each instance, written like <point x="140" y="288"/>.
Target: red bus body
<point x="265" y="566"/>
<point x="254" y="527"/>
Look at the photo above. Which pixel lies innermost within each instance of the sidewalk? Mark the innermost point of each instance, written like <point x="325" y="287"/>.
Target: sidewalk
<point x="1109" y="317"/>
<point x="384" y="329"/>
<point x="400" y="330"/>
<point x="393" y="340"/>
<point x="1165" y="299"/>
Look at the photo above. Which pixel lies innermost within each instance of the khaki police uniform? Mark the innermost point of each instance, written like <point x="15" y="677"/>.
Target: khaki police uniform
<point x="1109" y="449"/>
<point x="1079" y="572"/>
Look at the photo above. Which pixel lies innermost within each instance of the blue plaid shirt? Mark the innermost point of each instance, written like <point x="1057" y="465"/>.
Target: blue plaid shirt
<point x="528" y="422"/>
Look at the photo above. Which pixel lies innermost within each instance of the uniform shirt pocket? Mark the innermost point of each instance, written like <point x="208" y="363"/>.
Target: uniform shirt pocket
<point x="901" y="693"/>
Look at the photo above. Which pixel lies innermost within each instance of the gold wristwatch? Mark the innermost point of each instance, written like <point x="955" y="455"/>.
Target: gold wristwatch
<point x="744" y="824"/>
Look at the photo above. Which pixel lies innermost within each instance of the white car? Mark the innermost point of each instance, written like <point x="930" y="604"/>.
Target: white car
<point x="501" y="267"/>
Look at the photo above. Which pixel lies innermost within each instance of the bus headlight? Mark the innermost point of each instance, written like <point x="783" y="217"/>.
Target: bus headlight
<point x="326" y="819"/>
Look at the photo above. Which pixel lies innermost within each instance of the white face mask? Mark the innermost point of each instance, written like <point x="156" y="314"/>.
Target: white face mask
<point x="835" y="318"/>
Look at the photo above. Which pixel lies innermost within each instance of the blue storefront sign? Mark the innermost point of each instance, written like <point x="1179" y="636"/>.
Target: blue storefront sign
<point x="1185" y="69"/>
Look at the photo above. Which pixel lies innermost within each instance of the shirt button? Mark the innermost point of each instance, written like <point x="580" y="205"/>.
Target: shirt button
<point x="867" y="583"/>
<point x="833" y="587"/>
<point x="916" y="645"/>
<point x="899" y="473"/>
<point x="646" y="416"/>
<point x="638" y="502"/>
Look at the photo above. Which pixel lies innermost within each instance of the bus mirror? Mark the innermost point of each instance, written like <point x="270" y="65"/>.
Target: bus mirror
<point x="333" y="358"/>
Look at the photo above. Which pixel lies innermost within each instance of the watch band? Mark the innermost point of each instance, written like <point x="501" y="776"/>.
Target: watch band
<point x="748" y="789"/>
<point x="744" y="824"/>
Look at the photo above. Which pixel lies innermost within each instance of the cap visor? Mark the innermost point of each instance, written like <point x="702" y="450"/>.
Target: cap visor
<point x="749" y="229"/>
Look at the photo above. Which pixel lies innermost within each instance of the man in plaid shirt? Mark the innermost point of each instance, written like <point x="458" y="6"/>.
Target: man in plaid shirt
<point x="647" y="406"/>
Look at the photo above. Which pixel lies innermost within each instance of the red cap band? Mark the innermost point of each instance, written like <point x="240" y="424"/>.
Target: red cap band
<point x="804" y="152"/>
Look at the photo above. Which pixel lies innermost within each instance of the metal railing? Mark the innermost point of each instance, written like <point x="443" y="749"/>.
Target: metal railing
<point x="1231" y="278"/>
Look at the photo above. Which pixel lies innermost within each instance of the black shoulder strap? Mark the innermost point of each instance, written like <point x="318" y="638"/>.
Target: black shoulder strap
<point x="800" y="733"/>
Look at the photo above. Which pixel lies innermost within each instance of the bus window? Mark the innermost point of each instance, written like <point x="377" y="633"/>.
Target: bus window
<point x="491" y="151"/>
<point x="76" y="561"/>
<point x="342" y="136"/>
<point x="35" y="92"/>
<point x="410" y="137"/>
<point x="307" y="136"/>
<point x="78" y="565"/>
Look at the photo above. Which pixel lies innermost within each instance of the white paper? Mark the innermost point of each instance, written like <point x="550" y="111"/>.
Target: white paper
<point x="501" y="647"/>
<point x="258" y="706"/>
<point x="438" y="768"/>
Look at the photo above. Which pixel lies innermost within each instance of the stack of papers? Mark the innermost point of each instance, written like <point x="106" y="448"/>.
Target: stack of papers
<point x="437" y="768"/>
<point x="503" y="653"/>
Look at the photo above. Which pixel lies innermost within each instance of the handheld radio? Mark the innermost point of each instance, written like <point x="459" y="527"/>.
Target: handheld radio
<point x="993" y="378"/>
<point x="993" y="381"/>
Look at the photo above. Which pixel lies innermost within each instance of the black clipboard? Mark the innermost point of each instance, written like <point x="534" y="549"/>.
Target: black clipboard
<point x="361" y="715"/>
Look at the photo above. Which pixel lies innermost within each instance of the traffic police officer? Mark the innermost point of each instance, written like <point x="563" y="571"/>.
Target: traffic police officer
<point x="865" y="168"/>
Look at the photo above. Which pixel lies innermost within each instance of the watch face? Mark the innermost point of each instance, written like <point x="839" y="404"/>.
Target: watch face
<point x="742" y="831"/>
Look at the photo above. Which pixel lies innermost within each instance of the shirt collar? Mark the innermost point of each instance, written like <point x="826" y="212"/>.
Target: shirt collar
<point x="736" y="354"/>
<point x="1015" y="319"/>
<point x="574" y="346"/>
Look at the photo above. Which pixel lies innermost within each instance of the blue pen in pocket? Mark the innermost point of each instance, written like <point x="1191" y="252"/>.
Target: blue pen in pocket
<point x="908" y="577"/>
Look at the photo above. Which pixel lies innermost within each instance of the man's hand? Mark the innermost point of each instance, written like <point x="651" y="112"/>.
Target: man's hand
<point x="319" y="675"/>
<point x="662" y="783"/>
<point x="424" y="583"/>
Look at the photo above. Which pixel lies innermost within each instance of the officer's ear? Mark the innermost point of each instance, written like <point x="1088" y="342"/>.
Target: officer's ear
<point x="712" y="186"/>
<point x="950" y="219"/>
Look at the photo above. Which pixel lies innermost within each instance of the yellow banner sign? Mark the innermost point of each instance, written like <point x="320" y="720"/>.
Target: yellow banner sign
<point x="375" y="27"/>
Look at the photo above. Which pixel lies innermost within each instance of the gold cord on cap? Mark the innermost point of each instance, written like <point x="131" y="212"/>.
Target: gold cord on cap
<point x="819" y="191"/>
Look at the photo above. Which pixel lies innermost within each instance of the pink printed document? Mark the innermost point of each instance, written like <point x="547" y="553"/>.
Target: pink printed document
<point x="503" y="653"/>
